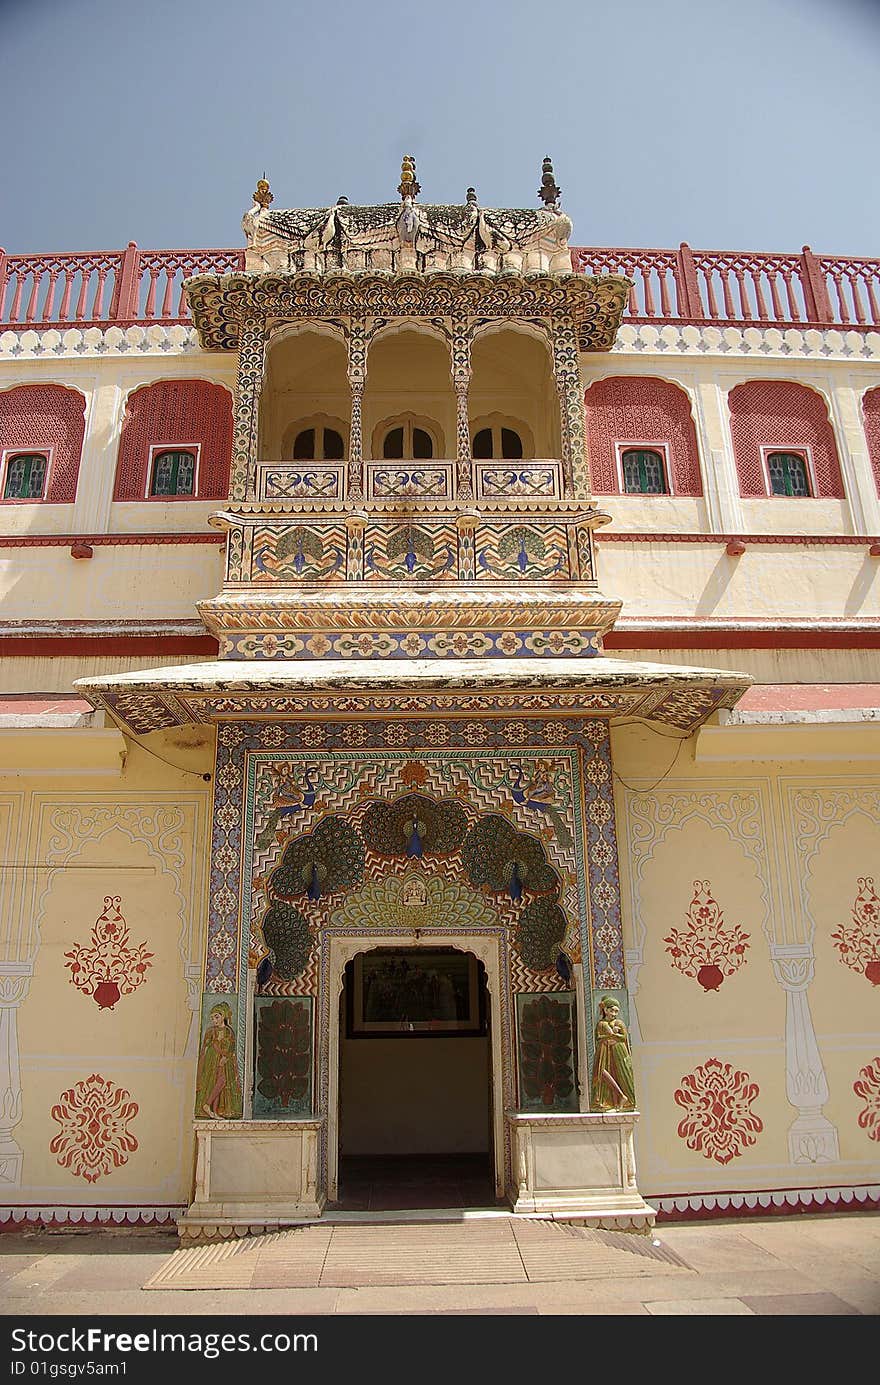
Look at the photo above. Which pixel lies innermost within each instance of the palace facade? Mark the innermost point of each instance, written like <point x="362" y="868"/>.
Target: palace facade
<point x="439" y="722"/>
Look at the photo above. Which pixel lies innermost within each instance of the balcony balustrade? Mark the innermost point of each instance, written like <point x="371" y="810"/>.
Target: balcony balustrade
<point x="684" y="286"/>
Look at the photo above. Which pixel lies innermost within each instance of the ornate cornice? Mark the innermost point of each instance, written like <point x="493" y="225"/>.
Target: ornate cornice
<point x="356" y="690"/>
<point x="219" y="302"/>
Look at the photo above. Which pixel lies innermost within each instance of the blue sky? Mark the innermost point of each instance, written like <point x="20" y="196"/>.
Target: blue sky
<point x="750" y="124"/>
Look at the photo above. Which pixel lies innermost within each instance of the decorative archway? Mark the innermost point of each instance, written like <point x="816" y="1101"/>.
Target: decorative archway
<point x="487" y="948"/>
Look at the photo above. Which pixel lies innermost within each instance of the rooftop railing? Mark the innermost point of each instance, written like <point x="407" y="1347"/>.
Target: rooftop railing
<point x="702" y="287"/>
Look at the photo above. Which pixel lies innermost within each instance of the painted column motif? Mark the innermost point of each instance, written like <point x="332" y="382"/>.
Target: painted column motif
<point x="14" y="981"/>
<point x="245" y="438"/>
<point x="356" y="344"/>
<point x="576" y="477"/>
<point x="811" y="1137"/>
<point x="461" y="379"/>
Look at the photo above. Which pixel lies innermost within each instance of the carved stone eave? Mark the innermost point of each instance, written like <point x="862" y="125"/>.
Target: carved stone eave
<point x="155" y="699"/>
<point x="219" y="302"/>
<point x="424" y="607"/>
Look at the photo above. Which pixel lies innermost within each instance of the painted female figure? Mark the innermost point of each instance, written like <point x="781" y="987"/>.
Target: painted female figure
<point x="613" y="1082"/>
<point x="218" y="1089"/>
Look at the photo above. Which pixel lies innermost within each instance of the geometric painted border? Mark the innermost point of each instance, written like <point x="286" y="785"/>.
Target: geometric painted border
<point x="49" y="1215"/>
<point x="773" y="1202"/>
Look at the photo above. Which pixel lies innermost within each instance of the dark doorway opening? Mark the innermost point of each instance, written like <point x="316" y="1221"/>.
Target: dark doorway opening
<point x="415" y="1082"/>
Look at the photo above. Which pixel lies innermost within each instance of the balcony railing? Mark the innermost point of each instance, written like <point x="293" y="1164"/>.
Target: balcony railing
<point x="739" y="288"/>
<point x="103" y="287"/>
<point x="703" y="287"/>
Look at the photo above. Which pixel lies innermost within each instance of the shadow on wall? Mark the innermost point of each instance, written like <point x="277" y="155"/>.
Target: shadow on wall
<point x="715" y="588"/>
<point x="865" y="585"/>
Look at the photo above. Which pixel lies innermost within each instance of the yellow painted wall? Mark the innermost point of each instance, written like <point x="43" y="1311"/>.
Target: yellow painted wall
<point x="87" y="816"/>
<point x="782" y="837"/>
<point x="125" y="582"/>
<point x="782" y="581"/>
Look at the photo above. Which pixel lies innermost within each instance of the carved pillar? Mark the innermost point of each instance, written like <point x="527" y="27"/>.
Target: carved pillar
<point x="355" y="526"/>
<point x="14" y="981"/>
<point x="356" y="343"/>
<point x="467" y="556"/>
<point x="566" y="369"/>
<point x="812" y="1139"/>
<point x="859" y="484"/>
<point x="461" y="379"/>
<point x="246" y="433"/>
<point x="720" y="480"/>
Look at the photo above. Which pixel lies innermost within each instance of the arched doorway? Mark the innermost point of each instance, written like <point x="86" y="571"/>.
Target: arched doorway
<point x="437" y="1095"/>
<point x="415" y="1081"/>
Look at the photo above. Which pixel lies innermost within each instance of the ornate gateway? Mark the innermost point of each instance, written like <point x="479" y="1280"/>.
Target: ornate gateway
<point x="412" y="707"/>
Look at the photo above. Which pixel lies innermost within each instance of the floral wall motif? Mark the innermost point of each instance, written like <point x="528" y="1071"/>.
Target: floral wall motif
<point x="283" y="1075"/>
<point x="108" y="968"/>
<point x="859" y="941"/>
<point x="717" y="1102"/>
<point x="94" y="1137"/>
<point x="706" y="949"/>
<point x="547" y="1052"/>
<point x="867" y="1086"/>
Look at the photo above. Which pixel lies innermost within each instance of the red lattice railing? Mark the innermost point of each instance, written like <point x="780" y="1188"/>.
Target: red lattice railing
<point x="736" y="287"/>
<point x="119" y="286"/>
<point x="722" y="287"/>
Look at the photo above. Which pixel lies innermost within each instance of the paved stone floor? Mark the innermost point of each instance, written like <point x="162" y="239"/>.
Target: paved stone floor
<point x="803" y="1266"/>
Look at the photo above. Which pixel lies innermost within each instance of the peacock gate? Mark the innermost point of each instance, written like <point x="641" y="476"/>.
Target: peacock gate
<point x="414" y="882"/>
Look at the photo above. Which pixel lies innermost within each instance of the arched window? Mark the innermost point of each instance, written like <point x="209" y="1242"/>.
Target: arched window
<point x="641" y="412"/>
<point x="788" y="473"/>
<point x="25" y="476"/>
<point x="497" y="441"/>
<point x="778" y="419"/>
<point x="193" y="416"/>
<point x="173" y="472"/>
<point x="42" y="428"/>
<point x="644" y="471"/>
<point x="408" y="441"/>
<point x="318" y="444"/>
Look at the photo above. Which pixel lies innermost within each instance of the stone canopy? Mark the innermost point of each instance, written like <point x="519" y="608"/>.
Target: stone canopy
<point x="407" y="236"/>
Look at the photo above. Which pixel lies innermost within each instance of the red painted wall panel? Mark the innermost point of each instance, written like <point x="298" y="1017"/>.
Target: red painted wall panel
<point x="176" y="413"/>
<point x="626" y="408"/>
<point x="47" y="416"/>
<point x="781" y="414"/>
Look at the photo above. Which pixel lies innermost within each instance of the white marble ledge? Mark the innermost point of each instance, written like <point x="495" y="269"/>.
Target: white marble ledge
<point x="290" y="675"/>
<point x="550" y="1120"/>
<point x="249" y="1127"/>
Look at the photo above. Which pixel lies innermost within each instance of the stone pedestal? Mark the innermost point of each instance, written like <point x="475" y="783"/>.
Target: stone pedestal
<point x="252" y="1176"/>
<point x="579" y="1167"/>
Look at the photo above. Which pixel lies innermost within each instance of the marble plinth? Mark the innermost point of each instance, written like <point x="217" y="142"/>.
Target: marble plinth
<point x="252" y="1176"/>
<point x="578" y="1167"/>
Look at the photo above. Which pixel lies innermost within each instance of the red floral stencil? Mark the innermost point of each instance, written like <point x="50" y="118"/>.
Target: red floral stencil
<point x="718" y="1119"/>
<point x="94" y="1136"/>
<point x="859" y="943"/>
<point x="868" y="1088"/>
<point x="705" y="948"/>
<point x="108" y="968"/>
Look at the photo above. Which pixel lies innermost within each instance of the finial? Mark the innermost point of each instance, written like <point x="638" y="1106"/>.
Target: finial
<point x="342" y="201"/>
<point x="472" y="197"/>
<point x="408" y="185"/>
<point x="548" y="192"/>
<point x="262" y="196"/>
